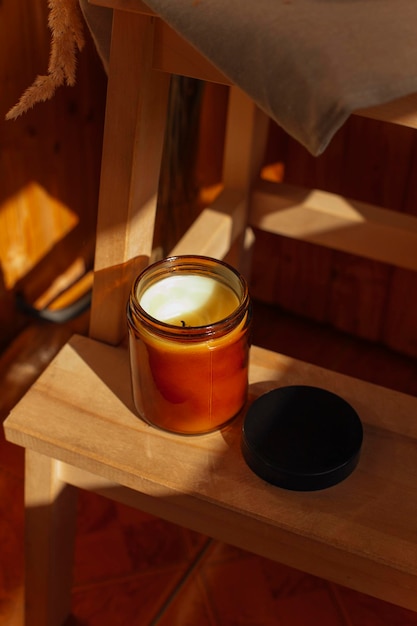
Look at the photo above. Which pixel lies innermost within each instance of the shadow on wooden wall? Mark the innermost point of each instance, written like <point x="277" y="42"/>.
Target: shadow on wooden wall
<point x="49" y="165"/>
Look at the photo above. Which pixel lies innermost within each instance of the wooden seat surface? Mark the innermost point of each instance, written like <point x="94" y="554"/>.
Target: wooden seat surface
<point x="360" y="533"/>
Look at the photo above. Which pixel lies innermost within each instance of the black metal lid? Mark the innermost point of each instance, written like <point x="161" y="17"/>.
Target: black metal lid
<point x="302" y="438"/>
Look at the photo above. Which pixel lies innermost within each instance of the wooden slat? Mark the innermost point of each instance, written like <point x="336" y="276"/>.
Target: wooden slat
<point x="49" y="559"/>
<point x="132" y="148"/>
<point x="360" y="533"/>
<point x="336" y="222"/>
<point x="209" y="235"/>
<point x="216" y="232"/>
<point x="402" y="111"/>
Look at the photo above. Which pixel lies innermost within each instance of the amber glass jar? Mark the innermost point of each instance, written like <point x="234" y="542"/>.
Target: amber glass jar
<point x="189" y="320"/>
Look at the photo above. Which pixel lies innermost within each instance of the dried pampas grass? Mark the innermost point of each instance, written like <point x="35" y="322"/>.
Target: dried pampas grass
<point x="66" y="24"/>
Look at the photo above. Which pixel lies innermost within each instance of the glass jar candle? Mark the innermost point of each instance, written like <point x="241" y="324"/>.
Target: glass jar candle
<point x="189" y="319"/>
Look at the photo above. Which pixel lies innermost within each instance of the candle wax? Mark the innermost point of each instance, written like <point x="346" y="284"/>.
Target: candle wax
<point x="190" y="382"/>
<point x="190" y="388"/>
<point x="189" y="300"/>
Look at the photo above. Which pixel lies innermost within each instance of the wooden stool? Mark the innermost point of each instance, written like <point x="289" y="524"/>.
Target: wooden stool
<point x="77" y="422"/>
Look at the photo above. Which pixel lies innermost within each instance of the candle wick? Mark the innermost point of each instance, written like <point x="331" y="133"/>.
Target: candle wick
<point x="183" y="324"/>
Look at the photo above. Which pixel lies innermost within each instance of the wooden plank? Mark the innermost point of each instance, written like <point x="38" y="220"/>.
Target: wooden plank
<point x="360" y="533"/>
<point x="49" y="165"/>
<point x="336" y="222"/>
<point x="215" y="232"/>
<point x="402" y="111"/>
<point x="132" y="151"/>
<point x="399" y="330"/>
<point x="377" y="163"/>
<point x="294" y="275"/>
<point x="210" y="235"/>
<point x="357" y="299"/>
<point x="135" y="6"/>
<point x="50" y="516"/>
<point x="245" y="141"/>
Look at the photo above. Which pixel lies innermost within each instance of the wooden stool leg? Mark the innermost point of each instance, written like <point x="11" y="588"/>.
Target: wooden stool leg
<point x="50" y="516"/>
<point x="222" y="230"/>
<point x="244" y="151"/>
<point x="245" y="141"/>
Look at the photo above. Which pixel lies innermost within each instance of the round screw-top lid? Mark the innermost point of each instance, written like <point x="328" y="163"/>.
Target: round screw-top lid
<point x="302" y="438"/>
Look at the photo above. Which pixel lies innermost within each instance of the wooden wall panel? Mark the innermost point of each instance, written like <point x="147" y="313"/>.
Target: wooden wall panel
<point x="371" y="161"/>
<point x="49" y="162"/>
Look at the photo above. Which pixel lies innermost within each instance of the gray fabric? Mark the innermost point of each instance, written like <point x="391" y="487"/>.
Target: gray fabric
<point x="307" y="63"/>
<point x="99" y="21"/>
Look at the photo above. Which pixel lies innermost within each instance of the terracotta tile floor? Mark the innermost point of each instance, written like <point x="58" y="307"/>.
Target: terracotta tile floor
<point x="132" y="569"/>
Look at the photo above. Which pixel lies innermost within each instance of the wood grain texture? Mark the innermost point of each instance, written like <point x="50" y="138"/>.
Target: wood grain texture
<point x="132" y="151"/>
<point x="49" y="164"/>
<point x="360" y="533"/>
<point x="49" y="538"/>
<point x="140" y="559"/>
<point x="370" y="162"/>
<point x="336" y="222"/>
